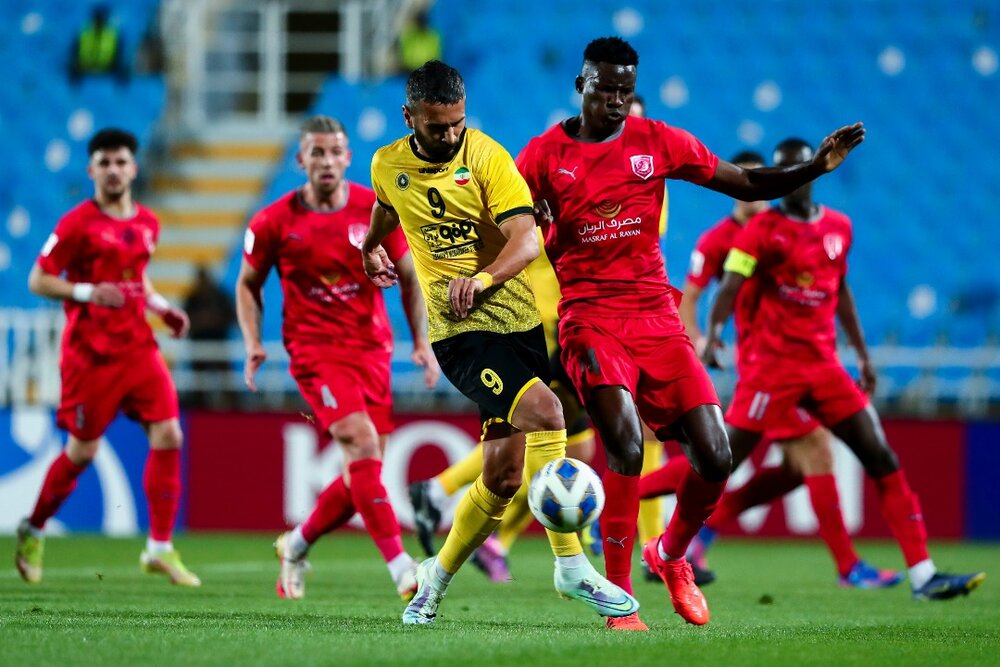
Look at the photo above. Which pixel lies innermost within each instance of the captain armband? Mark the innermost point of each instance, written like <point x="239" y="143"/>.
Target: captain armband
<point x="740" y="262"/>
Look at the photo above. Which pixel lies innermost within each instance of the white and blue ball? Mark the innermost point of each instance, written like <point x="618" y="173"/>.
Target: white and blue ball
<point x="566" y="495"/>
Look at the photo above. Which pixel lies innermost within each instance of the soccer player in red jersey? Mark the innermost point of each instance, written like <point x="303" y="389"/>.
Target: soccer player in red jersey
<point x="337" y="333"/>
<point x="806" y="445"/>
<point x="95" y="261"/>
<point x="600" y="177"/>
<point x="797" y="254"/>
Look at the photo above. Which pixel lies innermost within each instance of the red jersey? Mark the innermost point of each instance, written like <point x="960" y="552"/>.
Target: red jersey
<point x="606" y="198"/>
<point x="91" y="246"/>
<point x="707" y="260"/>
<point x="800" y="267"/>
<point x="327" y="296"/>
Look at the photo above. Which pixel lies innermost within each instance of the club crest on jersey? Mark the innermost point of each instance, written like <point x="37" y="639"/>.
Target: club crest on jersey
<point x="462" y="176"/>
<point x="356" y="233"/>
<point x="833" y="244"/>
<point x="642" y="166"/>
<point x="402" y="181"/>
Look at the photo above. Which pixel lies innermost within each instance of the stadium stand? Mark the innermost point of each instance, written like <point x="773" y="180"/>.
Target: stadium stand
<point x="47" y="122"/>
<point x="736" y="76"/>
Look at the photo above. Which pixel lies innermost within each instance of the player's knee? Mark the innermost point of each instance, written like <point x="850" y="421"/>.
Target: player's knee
<point x="544" y="414"/>
<point x="714" y="462"/>
<point x="624" y="448"/>
<point x="81" y="452"/>
<point x="357" y="434"/>
<point x="166" y="435"/>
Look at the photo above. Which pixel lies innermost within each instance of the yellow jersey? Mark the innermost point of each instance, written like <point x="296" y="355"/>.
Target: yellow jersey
<point x="451" y="213"/>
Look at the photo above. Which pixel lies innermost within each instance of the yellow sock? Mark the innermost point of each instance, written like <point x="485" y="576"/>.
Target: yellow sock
<point x="515" y="519"/>
<point x="540" y="448"/>
<point x="650" y="511"/>
<point x="478" y="514"/>
<point x="464" y="472"/>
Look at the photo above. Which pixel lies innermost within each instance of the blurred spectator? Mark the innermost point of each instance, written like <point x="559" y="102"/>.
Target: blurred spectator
<point x="150" y="58"/>
<point x="98" y="48"/>
<point x="418" y="43"/>
<point x="212" y="314"/>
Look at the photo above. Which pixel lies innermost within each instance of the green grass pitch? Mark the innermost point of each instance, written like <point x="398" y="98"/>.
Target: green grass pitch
<point x="776" y="603"/>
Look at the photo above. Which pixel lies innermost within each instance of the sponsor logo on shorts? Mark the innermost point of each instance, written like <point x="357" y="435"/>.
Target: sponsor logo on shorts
<point x="758" y="406"/>
<point x="81" y="419"/>
<point x="451" y="238"/>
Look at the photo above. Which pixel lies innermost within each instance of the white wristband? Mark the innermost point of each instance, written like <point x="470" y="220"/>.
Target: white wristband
<point x="83" y="292"/>
<point x="157" y="303"/>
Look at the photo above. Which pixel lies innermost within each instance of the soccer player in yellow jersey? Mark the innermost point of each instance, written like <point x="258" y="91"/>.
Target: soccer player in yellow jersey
<point x="468" y="217"/>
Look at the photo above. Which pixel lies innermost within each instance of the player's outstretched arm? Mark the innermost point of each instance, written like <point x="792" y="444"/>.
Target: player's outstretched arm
<point x="765" y="183"/>
<point x="378" y="266"/>
<point x="49" y="285"/>
<point x="520" y="250"/>
<point x="847" y="313"/>
<point x="416" y="315"/>
<point x="722" y="310"/>
<point x="249" y="314"/>
<point x="175" y="318"/>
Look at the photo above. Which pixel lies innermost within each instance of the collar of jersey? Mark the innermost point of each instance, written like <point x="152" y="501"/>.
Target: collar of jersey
<point x="412" y="143"/>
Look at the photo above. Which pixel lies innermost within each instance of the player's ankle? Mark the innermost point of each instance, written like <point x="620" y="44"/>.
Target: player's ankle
<point x="158" y="546"/>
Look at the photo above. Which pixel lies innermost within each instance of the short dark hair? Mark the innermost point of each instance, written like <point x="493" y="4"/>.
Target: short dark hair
<point x="110" y="138"/>
<point x="745" y="157"/>
<point x="612" y="50"/>
<point x="435" y="82"/>
<point x="793" y="145"/>
<point x="322" y="125"/>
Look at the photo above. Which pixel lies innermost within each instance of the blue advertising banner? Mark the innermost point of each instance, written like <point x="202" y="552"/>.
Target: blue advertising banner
<point x="982" y="493"/>
<point x="109" y="497"/>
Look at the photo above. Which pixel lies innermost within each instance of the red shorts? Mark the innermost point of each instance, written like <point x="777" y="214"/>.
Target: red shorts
<point x="93" y="391"/>
<point x="768" y="395"/>
<point x="651" y="357"/>
<point x="338" y="381"/>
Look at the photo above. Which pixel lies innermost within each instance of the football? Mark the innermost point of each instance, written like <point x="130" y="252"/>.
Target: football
<point x="566" y="495"/>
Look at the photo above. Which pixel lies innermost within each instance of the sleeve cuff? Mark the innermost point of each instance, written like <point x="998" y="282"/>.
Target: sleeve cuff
<point x="520" y="210"/>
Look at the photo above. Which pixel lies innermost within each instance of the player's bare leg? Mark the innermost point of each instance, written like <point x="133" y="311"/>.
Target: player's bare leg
<point x="863" y="433"/>
<point x="505" y="464"/>
<point x="812" y="456"/>
<point x="59" y="483"/>
<point x="707" y="447"/>
<point x="162" y="483"/>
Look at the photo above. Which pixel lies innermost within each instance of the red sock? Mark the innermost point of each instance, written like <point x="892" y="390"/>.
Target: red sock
<point x="162" y="482"/>
<point x="372" y="502"/>
<point x="901" y="509"/>
<point x="767" y="484"/>
<point x="664" y="480"/>
<point x="333" y="509"/>
<point x="696" y="500"/>
<point x="618" y="526"/>
<point x="826" y="505"/>
<point x="59" y="483"/>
